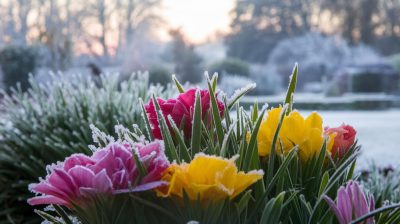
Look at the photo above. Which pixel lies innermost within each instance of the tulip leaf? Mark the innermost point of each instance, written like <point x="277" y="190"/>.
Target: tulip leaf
<point x="244" y="200"/>
<point x="139" y="164"/>
<point x="363" y="218"/>
<point x="196" y="126"/>
<point x="62" y="214"/>
<point x="146" y="121"/>
<point x="239" y="94"/>
<point x="272" y="154"/>
<point x="215" y="114"/>
<point x="273" y="210"/>
<point x="251" y="160"/>
<point x="183" y="150"/>
<point x="291" y="89"/>
<point x="214" y="80"/>
<point x="324" y="182"/>
<point x="170" y="149"/>
<point x="225" y="142"/>
<point x="281" y="169"/>
<point x="48" y="217"/>
<point x="178" y="84"/>
<point x="254" y="112"/>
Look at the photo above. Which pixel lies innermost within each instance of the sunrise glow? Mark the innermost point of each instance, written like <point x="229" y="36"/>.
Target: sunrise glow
<point x="198" y="19"/>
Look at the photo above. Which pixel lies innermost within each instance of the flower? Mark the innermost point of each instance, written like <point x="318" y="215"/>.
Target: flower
<point x="351" y="203"/>
<point x="210" y="178"/>
<point x="306" y="133"/>
<point x="110" y="170"/>
<point x="181" y="110"/>
<point x="345" y="137"/>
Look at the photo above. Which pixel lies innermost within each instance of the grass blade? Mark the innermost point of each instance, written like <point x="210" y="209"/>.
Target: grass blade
<point x="291" y="88"/>
<point x="196" y="127"/>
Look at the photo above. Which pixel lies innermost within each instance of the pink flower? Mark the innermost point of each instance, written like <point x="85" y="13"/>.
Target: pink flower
<point x="110" y="170"/>
<point x="351" y="204"/>
<point x="181" y="110"/>
<point x="344" y="139"/>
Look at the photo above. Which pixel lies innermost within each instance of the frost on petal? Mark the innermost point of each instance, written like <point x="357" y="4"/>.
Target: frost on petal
<point x="143" y="187"/>
<point x="47" y="199"/>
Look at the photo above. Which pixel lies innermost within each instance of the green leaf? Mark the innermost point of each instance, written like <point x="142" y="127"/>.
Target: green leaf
<point x="170" y="149"/>
<point x="254" y="112"/>
<point x="178" y="84"/>
<point x="215" y="114"/>
<point x="324" y="182"/>
<point x="272" y="211"/>
<point x="271" y="162"/>
<point x="146" y="121"/>
<point x="279" y="173"/>
<point x="291" y="89"/>
<point x="196" y="127"/>
<point x="62" y="214"/>
<point x="183" y="150"/>
<point x="251" y="160"/>
<point x="375" y="212"/>
<point x="239" y="94"/>
<point x="244" y="201"/>
<point x="223" y="151"/>
<point x="351" y="171"/>
<point x="140" y="165"/>
<point x="47" y="217"/>
<point x="214" y="81"/>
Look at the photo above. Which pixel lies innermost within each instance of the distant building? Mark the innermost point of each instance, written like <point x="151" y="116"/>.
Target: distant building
<point x="369" y="78"/>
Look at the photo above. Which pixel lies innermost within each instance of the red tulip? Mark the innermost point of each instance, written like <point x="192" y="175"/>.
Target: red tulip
<point x="181" y="110"/>
<point x="344" y="139"/>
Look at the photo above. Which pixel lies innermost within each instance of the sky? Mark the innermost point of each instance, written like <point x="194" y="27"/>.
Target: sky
<point x="198" y="19"/>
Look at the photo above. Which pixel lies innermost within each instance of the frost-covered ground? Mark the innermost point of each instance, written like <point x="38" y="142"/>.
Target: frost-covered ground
<point x="378" y="133"/>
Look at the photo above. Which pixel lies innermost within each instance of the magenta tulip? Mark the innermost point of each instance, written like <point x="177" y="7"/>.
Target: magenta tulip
<point x="110" y="170"/>
<point x="181" y="110"/>
<point x="351" y="203"/>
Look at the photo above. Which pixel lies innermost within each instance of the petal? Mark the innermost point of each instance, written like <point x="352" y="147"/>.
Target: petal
<point x="102" y="182"/>
<point x="77" y="160"/>
<point x="62" y="181"/>
<point x="188" y="97"/>
<point x="314" y="120"/>
<point x="46" y="200"/>
<point x="82" y="176"/>
<point x="143" y="187"/>
<point x="47" y="189"/>
<point x="344" y="205"/>
<point x="243" y="181"/>
<point x="334" y="209"/>
<point x="360" y="202"/>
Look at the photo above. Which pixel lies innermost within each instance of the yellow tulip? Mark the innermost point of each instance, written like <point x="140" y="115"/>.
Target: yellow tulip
<point x="209" y="178"/>
<point x="306" y="133"/>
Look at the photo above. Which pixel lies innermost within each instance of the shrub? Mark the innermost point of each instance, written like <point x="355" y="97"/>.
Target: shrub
<point x="367" y="82"/>
<point x="384" y="184"/>
<point x="318" y="56"/>
<point x="16" y="63"/>
<point x="187" y="62"/>
<point x="231" y="66"/>
<point x="159" y="75"/>
<point x="395" y="60"/>
<point x="51" y="121"/>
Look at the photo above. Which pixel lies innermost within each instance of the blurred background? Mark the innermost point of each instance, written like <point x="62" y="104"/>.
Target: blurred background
<point x="348" y="51"/>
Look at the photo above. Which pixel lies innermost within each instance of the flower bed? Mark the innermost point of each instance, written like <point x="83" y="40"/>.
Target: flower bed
<point x="202" y="158"/>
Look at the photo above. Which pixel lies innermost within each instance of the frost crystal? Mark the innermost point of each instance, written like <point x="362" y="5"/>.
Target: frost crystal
<point x="239" y="92"/>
